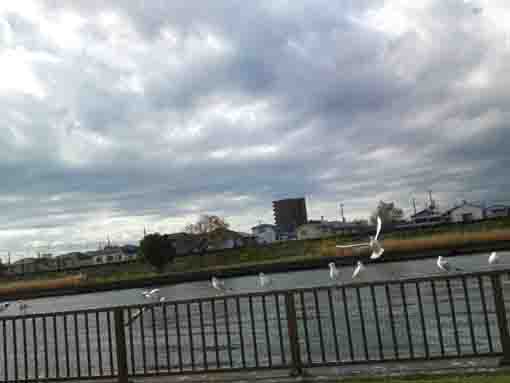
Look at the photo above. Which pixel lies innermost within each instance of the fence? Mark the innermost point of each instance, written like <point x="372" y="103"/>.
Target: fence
<point x="440" y="317"/>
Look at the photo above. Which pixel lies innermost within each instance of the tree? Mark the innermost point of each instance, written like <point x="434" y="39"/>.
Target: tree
<point x="158" y="250"/>
<point x="389" y="213"/>
<point x="206" y="224"/>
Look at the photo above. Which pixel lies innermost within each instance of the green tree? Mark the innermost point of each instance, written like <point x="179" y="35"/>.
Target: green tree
<point x="206" y="224"/>
<point x="390" y="214"/>
<point x="158" y="250"/>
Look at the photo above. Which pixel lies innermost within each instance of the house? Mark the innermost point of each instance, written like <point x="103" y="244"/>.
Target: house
<point x="73" y="260"/>
<point x="265" y="233"/>
<point x="111" y="254"/>
<point x="466" y="212"/>
<point x="225" y="239"/>
<point x="32" y="265"/>
<point x="428" y="215"/>
<point x="497" y="211"/>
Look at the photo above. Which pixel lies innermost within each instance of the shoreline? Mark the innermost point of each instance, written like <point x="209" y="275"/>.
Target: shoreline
<point x="250" y="269"/>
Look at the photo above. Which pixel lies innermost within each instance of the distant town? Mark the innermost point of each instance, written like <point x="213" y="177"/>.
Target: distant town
<point x="290" y="223"/>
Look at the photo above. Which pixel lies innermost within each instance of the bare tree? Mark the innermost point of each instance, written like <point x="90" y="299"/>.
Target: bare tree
<point x="206" y="224"/>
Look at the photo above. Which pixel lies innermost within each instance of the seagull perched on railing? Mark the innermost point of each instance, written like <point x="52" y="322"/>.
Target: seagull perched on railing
<point x="359" y="268"/>
<point x="264" y="280"/>
<point x="142" y="310"/>
<point x="219" y="284"/>
<point x="334" y="273"/>
<point x="374" y="244"/>
<point x="493" y="258"/>
<point x="444" y="265"/>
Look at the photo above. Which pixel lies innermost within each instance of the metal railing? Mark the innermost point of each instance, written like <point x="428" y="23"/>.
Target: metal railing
<point x="440" y="317"/>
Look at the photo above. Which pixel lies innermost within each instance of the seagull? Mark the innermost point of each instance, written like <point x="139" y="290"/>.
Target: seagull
<point x="334" y="273"/>
<point x="264" y="280"/>
<point x="142" y="310"/>
<point x="149" y="294"/>
<point x="219" y="284"/>
<point x="374" y="244"/>
<point x="493" y="258"/>
<point x="359" y="268"/>
<point x="445" y="266"/>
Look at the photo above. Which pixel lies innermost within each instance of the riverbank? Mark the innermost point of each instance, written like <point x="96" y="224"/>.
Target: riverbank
<point x="396" y="251"/>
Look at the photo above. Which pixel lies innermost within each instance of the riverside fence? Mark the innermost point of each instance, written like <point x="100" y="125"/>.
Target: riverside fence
<point x="439" y="317"/>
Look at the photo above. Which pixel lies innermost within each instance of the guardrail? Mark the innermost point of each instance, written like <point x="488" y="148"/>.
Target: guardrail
<point x="438" y="317"/>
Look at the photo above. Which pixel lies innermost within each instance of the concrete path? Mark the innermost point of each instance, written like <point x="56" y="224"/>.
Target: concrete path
<point x="337" y="374"/>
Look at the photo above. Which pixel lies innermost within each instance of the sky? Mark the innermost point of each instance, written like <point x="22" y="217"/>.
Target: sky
<point x="138" y="114"/>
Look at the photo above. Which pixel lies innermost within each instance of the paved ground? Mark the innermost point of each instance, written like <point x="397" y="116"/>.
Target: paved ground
<point x="336" y="374"/>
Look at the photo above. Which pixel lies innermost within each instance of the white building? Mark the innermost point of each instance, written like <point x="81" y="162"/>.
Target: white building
<point x="265" y="233"/>
<point x="466" y="212"/>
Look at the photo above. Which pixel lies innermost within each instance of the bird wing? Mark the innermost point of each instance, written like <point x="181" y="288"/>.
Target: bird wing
<point x="379" y="225"/>
<point x="356" y="271"/>
<point x="353" y="245"/>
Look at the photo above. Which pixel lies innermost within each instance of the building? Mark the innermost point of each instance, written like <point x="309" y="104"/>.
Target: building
<point x="73" y="260"/>
<point x="466" y="212"/>
<point x="497" y="211"/>
<point x="289" y="214"/>
<point x="265" y="233"/>
<point x="111" y="254"/>
<point x="428" y="215"/>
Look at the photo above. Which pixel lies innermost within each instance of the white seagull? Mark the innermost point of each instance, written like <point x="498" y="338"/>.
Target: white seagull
<point x="359" y="268"/>
<point x="219" y="284"/>
<point x="149" y="294"/>
<point x="493" y="258"/>
<point x="374" y="244"/>
<point x="443" y="264"/>
<point x="334" y="273"/>
<point x="139" y="312"/>
<point x="264" y="280"/>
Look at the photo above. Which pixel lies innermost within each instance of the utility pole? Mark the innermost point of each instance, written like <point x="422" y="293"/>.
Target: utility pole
<point x="431" y="201"/>
<point x="414" y="205"/>
<point x="342" y="212"/>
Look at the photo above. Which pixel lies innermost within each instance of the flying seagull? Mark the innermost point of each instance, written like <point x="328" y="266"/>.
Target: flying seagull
<point x="264" y="280"/>
<point x="359" y="268"/>
<point x="374" y="244"/>
<point x="444" y="265"/>
<point x="218" y="284"/>
<point x="334" y="273"/>
<point x="493" y="258"/>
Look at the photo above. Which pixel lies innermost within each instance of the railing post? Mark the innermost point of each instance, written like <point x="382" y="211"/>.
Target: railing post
<point x="120" y="346"/>
<point x="499" y="302"/>
<point x="290" y="306"/>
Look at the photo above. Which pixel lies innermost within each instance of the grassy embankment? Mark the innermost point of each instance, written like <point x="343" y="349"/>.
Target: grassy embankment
<point x="486" y="233"/>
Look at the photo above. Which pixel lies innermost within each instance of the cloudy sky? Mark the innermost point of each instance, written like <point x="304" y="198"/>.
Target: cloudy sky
<point x="149" y="113"/>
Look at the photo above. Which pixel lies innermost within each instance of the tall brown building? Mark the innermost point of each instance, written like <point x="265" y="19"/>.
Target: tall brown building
<point x="289" y="214"/>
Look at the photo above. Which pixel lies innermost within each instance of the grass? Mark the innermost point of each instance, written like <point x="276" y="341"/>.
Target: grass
<point x="467" y="378"/>
<point x="42" y="284"/>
